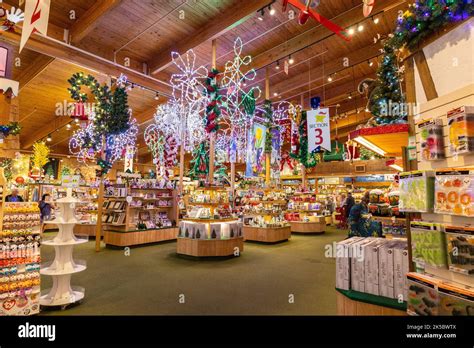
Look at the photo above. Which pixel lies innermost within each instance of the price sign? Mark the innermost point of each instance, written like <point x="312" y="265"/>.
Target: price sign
<point x="71" y="180"/>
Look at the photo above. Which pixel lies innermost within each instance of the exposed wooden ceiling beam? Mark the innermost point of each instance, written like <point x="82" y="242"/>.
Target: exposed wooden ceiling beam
<point x="318" y="33"/>
<point x="335" y="65"/>
<point x="60" y="50"/>
<point x="36" y="67"/>
<point x="236" y="14"/>
<point x="90" y="19"/>
<point x="43" y="132"/>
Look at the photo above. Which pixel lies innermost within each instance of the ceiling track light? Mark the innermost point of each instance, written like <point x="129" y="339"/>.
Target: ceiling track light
<point x="371" y="63"/>
<point x="360" y="27"/>
<point x="329" y="78"/>
<point x="157" y="96"/>
<point x="290" y="59"/>
<point x="376" y="20"/>
<point x="351" y="31"/>
<point x="271" y="10"/>
<point x="49" y="139"/>
<point x="278" y="65"/>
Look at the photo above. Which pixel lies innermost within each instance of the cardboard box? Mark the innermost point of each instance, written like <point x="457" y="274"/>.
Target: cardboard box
<point x="343" y="262"/>
<point x="400" y="268"/>
<point x="371" y="265"/>
<point x="386" y="270"/>
<point x="357" y="263"/>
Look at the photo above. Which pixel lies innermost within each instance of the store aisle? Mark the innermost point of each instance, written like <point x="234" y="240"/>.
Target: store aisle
<point x="260" y="282"/>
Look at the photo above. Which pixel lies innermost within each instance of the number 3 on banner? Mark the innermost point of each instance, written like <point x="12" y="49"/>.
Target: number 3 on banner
<point x="318" y="138"/>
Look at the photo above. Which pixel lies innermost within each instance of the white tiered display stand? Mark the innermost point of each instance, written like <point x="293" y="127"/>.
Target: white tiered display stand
<point x="62" y="293"/>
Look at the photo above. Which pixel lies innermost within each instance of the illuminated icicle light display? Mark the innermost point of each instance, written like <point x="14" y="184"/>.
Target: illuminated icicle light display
<point x="238" y="101"/>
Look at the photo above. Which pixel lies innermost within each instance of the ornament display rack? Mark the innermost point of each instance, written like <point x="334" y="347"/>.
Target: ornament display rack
<point x="261" y="208"/>
<point x="64" y="266"/>
<point x="439" y="108"/>
<point x="20" y="258"/>
<point x="211" y="235"/>
<point x="133" y="215"/>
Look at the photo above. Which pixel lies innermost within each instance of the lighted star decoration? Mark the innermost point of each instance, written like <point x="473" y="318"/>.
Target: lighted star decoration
<point x="238" y="97"/>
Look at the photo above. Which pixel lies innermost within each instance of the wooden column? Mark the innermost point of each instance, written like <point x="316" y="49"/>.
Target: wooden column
<point x="267" y="97"/>
<point x="212" y="136"/>
<point x="303" y="168"/>
<point x="98" y="227"/>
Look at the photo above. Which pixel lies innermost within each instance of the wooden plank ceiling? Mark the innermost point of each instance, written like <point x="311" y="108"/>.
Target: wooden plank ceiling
<point x="111" y="33"/>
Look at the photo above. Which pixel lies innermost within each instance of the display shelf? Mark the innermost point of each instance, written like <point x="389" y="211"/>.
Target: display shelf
<point x="122" y="238"/>
<point x="351" y="302"/>
<point x="210" y="220"/>
<point x="75" y="295"/>
<point x="210" y="247"/>
<point x="211" y="237"/>
<point x="267" y="234"/>
<point x="389" y="138"/>
<point x="123" y="226"/>
<point x="308" y="227"/>
<point x="25" y="254"/>
<point x="63" y="265"/>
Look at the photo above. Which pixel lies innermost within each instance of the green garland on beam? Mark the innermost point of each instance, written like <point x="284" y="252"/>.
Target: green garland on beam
<point x="268" y="116"/>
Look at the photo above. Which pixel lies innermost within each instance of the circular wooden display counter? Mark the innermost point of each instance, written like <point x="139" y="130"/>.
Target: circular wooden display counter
<point x="317" y="227"/>
<point x="210" y="247"/>
<point x="267" y="234"/>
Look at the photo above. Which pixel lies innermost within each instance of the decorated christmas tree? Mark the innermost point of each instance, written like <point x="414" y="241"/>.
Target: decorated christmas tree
<point x="387" y="102"/>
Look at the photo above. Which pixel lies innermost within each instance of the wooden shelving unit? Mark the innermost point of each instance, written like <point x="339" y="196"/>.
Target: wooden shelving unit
<point x="122" y="229"/>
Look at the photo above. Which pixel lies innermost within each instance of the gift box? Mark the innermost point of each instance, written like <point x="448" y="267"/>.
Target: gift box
<point x="215" y="231"/>
<point x="461" y="130"/>
<point x="454" y="192"/>
<point x="460" y="249"/>
<point x="431" y="140"/>
<point x="416" y="191"/>
<point x="428" y="245"/>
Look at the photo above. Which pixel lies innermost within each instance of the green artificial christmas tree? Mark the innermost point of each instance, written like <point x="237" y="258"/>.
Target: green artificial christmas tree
<point x="387" y="102"/>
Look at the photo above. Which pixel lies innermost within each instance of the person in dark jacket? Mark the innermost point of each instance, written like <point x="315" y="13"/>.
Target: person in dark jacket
<point x="45" y="206"/>
<point x="14" y="197"/>
<point x="348" y="204"/>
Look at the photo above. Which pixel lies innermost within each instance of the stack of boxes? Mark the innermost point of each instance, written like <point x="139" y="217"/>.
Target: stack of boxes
<point x="373" y="265"/>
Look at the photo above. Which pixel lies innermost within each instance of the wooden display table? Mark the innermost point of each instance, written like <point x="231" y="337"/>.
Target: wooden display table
<point x="137" y="237"/>
<point x="317" y="227"/>
<point x="267" y="234"/>
<point x="350" y="302"/>
<point x="210" y="247"/>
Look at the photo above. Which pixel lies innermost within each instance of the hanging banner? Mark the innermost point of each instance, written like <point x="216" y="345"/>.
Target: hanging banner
<point x="319" y="132"/>
<point x="36" y="19"/>
<point x="255" y="159"/>
<point x="128" y="162"/>
<point x="276" y="152"/>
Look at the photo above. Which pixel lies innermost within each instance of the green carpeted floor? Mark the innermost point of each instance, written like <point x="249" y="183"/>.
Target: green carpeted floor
<point x="152" y="280"/>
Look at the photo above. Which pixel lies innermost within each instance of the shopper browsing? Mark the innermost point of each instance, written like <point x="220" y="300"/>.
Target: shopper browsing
<point x="348" y="204"/>
<point x="14" y="197"/>
<point x="45" y="206"/>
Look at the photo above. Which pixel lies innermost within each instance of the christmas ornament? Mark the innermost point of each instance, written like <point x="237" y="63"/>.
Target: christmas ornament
<point x="306" y="12"/>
